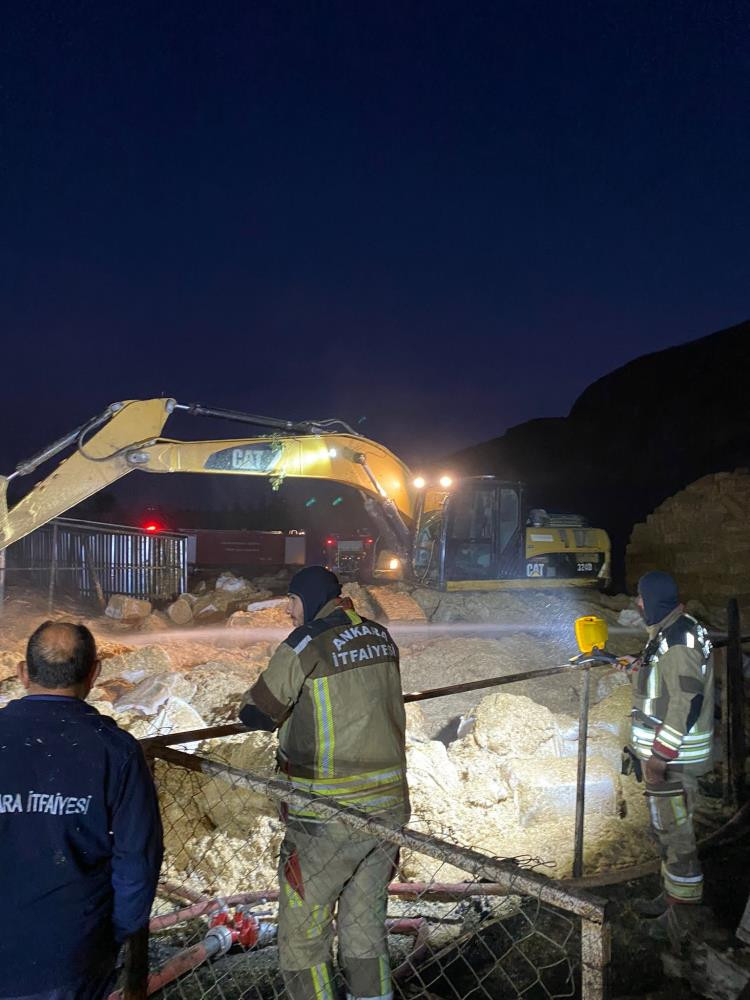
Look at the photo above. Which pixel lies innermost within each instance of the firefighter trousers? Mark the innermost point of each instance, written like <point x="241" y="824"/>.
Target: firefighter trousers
<point x="671" y="806"/>
<point x="327" y="868"/>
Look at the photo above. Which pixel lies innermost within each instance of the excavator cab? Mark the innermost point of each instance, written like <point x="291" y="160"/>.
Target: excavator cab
<point x="470" y="534"/>
<point x="477" y="535"/>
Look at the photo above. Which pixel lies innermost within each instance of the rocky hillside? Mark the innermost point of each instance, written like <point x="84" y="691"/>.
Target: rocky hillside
<point x="635" y="436"/>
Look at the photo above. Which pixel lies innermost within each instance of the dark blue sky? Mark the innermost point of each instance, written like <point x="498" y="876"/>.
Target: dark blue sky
<point x="446" y="218"/>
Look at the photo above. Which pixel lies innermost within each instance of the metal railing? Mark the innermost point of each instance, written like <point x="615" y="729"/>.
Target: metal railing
<point x="92" y="561"/>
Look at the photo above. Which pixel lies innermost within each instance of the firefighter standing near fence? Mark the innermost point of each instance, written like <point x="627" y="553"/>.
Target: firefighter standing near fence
<point x="334" y="690"/>
<point x="672" y="735"/>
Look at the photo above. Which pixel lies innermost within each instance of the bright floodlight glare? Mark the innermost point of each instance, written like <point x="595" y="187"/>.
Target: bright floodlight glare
<point x="445" y="482"/>
<point x="394" y="564"/>
<point x="332" y="453"/>
<point x="419" y="482"/>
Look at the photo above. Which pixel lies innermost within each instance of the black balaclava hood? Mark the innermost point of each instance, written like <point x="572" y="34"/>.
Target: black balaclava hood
<point x="315" y="586"/>
<point x="659" y="594"/>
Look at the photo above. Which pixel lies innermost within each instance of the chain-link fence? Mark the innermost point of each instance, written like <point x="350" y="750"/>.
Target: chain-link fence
<point x="454" y="923"/>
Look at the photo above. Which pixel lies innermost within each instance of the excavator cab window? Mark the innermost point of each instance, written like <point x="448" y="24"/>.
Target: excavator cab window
<point x="482" y="532"/>
<point x="428" y="542"/>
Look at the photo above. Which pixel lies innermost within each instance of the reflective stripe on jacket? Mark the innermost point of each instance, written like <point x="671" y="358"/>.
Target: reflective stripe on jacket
<point x="673" y="694"/>
<point x="334" y="688"/>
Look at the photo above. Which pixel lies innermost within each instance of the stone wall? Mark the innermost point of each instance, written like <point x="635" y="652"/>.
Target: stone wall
<point x="701" y="536"/>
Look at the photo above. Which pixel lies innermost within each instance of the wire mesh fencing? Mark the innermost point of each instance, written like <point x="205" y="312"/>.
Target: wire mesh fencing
<point x="332" y="901"/>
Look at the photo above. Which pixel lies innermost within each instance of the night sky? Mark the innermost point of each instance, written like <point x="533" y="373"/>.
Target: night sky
<point x="433" y="220"/>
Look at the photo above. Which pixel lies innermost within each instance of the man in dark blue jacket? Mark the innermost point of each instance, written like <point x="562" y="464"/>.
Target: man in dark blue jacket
<point x="80" y="834"/>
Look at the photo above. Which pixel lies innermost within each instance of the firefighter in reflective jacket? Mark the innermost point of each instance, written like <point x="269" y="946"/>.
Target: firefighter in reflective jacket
<point x="672" y="734"/>
<point x="334" y="690"/>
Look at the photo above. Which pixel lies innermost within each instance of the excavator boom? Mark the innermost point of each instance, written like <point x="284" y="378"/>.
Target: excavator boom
<point x="130" y="440"/>
<point x="472" y="534"/>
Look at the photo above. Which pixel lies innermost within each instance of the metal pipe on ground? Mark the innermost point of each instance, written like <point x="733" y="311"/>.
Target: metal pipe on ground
<point x="219" y="941"/>
<point x="446" y="891"/>
<point x="505" y="872"/>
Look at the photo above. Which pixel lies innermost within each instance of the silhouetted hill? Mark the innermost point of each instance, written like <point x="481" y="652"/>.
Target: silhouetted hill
<point x="635" y="436"/>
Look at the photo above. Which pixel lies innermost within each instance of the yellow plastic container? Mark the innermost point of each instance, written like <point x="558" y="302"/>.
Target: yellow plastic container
<point x="591" y="632"/>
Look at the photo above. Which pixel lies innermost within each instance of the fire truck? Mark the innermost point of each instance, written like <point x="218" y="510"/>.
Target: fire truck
<point x="351" y="557"/>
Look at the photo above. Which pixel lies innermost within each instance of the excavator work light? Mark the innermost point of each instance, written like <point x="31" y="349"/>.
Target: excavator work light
<point x="445" y="482"/>
<point x="394" y="564"/>
<point x="419" y="482"/>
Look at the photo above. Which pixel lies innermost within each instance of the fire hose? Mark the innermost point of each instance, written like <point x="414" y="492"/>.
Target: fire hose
<point x="244" y="929"/>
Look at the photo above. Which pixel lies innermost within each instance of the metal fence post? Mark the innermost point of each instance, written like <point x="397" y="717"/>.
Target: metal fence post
<point x="2" y="578"/>
<point x="595" y="957"/>
<point x="735" y="704"/>
<point x="583" y="732"/>
<point x="52" y="569"/>
<point x="93" y="573"/>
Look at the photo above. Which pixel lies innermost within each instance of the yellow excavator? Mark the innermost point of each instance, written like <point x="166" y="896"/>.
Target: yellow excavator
<point x="466" y="534"/>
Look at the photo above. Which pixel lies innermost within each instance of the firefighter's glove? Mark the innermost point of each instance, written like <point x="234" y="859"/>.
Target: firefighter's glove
<point x="628" y="664"/>
<point x="655" y="770"/>
<point x="631" y="764"/>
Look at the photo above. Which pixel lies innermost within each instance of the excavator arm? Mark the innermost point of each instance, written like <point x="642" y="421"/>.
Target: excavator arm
<point x="129" y="439"/>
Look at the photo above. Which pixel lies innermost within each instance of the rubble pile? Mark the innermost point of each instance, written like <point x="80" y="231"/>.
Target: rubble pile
<point x="220" y="838"/>
<point x="502" y="780"/>
<point x="507" y="788"/>
<point x="553" y="609"/>
<point x="271" y="614"/>
<point x="700" y="536"/>
<point x="204" y="605"/>
<point x="230" y="593"/>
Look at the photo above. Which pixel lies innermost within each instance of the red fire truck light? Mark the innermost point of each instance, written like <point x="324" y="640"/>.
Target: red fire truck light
<point x="151" y="527"/>
<point x="329" y="541"/>
<point x="369" y="541"/>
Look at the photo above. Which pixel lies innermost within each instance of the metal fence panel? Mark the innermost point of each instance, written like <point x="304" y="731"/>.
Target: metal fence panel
<point x="473" y="927"/>
<point x="94" y="561"/>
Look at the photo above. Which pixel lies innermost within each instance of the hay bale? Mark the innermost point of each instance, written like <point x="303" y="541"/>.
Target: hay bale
<point x="123" y="608"/>
<point x="148" y="696"/>
<point x="174" y="716"/>
<point x="234" y="809"/>
<point x="219" y="687"/>
<point x="9" y="664"/>
<point x="545" y="791"/>
<point x="700" y="536"/>
<point x="137" y="664"/>
<point x="515" y="726"/>
<point x="181" y="611"/>
<point x="416" y="722"/>
<point x="270" y="617"/>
